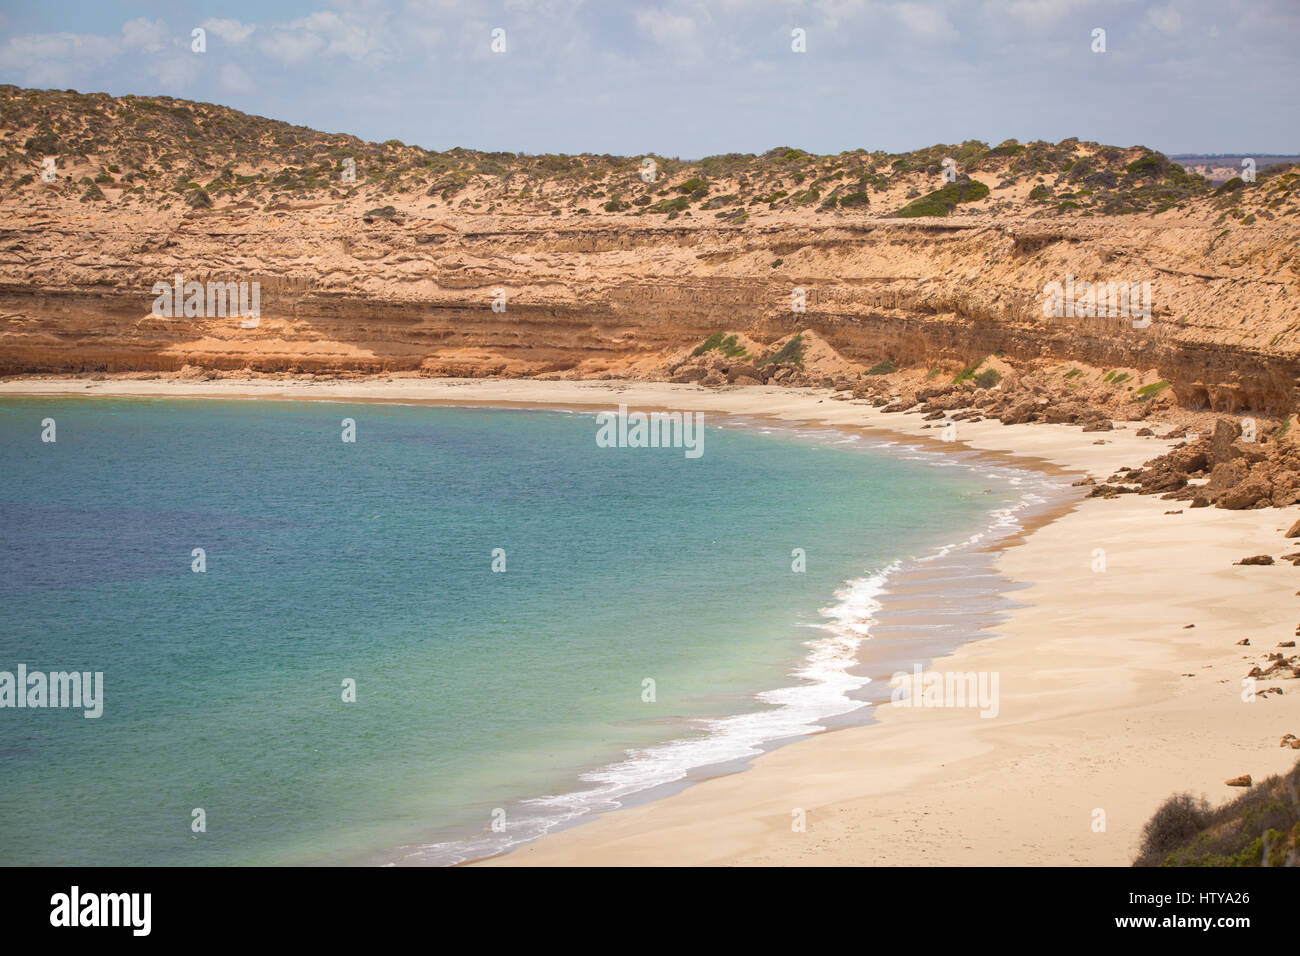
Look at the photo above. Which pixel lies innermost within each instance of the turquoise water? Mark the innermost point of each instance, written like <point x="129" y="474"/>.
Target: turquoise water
<point x="372" y="561"/>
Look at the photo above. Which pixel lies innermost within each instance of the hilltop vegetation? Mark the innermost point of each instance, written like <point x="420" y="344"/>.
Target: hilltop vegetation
<point x="177" y="154"/>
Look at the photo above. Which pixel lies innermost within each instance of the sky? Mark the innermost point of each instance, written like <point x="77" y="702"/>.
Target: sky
<point x="691" y="78"/>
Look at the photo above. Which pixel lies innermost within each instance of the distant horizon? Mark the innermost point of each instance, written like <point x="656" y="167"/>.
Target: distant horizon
<point x="693" y="79"/>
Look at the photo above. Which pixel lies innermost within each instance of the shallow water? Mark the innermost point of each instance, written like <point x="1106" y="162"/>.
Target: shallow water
<point x="480" y="696"/>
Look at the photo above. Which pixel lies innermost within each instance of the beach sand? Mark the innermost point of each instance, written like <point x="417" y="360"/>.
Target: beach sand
<point x="1108" y="704"/>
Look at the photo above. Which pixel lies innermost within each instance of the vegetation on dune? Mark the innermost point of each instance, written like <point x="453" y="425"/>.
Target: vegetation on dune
<point x="1259" y="828"/>
<point x="984" y="379"/>
<point x="789" y="354"/>
<point x="1150" y="391"/>
<point x="943" y="201"/>
<point x="727" y="345"/>
<point x="156" y="151"/>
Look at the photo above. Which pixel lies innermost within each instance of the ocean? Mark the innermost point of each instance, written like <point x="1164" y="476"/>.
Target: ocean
<point x="464" y="628"/>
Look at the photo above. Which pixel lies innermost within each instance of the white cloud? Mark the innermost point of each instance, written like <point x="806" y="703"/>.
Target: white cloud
<point x="56" y="59"/>
<point x="924" y="21"/>
<point x="289" y="47"/>
<point x="668" y="29"/>
<point x="148" y="36"/>
<point x="232" y="31"/>
<point x="325" y="34"/>
<point x="70" y="59"/>
<point x="1166" y="19"/>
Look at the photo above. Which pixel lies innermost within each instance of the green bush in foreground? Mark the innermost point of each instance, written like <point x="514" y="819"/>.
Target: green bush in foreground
<point x="1259" y="828"/>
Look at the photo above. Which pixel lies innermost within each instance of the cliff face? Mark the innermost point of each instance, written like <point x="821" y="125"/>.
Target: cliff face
<point x="613" y="290"/>
<point x="595" y="298"/>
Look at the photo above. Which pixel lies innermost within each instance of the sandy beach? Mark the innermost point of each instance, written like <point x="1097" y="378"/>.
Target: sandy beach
<point x="1118" y="687"/>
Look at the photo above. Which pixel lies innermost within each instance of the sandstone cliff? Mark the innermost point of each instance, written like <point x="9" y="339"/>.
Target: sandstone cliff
<point x="595" y="271"/>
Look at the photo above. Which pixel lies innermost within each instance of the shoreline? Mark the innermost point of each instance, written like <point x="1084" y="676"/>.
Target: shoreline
<point x="1080" y="663"/>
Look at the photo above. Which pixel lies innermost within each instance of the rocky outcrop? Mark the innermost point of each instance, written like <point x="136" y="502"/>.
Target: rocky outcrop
<point x="1226" y="470"/>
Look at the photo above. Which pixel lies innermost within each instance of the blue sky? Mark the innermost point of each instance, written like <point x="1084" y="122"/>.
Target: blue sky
<point x="694" y="78"/>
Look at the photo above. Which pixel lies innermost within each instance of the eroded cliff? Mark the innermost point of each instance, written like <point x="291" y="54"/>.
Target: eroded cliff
<point x="485" y="281"/>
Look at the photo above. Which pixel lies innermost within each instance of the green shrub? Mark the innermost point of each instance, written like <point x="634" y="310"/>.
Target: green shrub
<point x="1149" y="165"/>
<point x="943" y="201"/>
<point x="728" y="346"/>
<point x="1147" y="391"/>
<point x="1261" y="827"/>
<point x="1008" y="148"/>
<point x="789" y="354"/>
<point x="885" y="367"/>
<point x="43" y="144"/>
<point x="969" y="373"/>
<point x="1178" y="819"/>
<point x="670" y="206"/>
